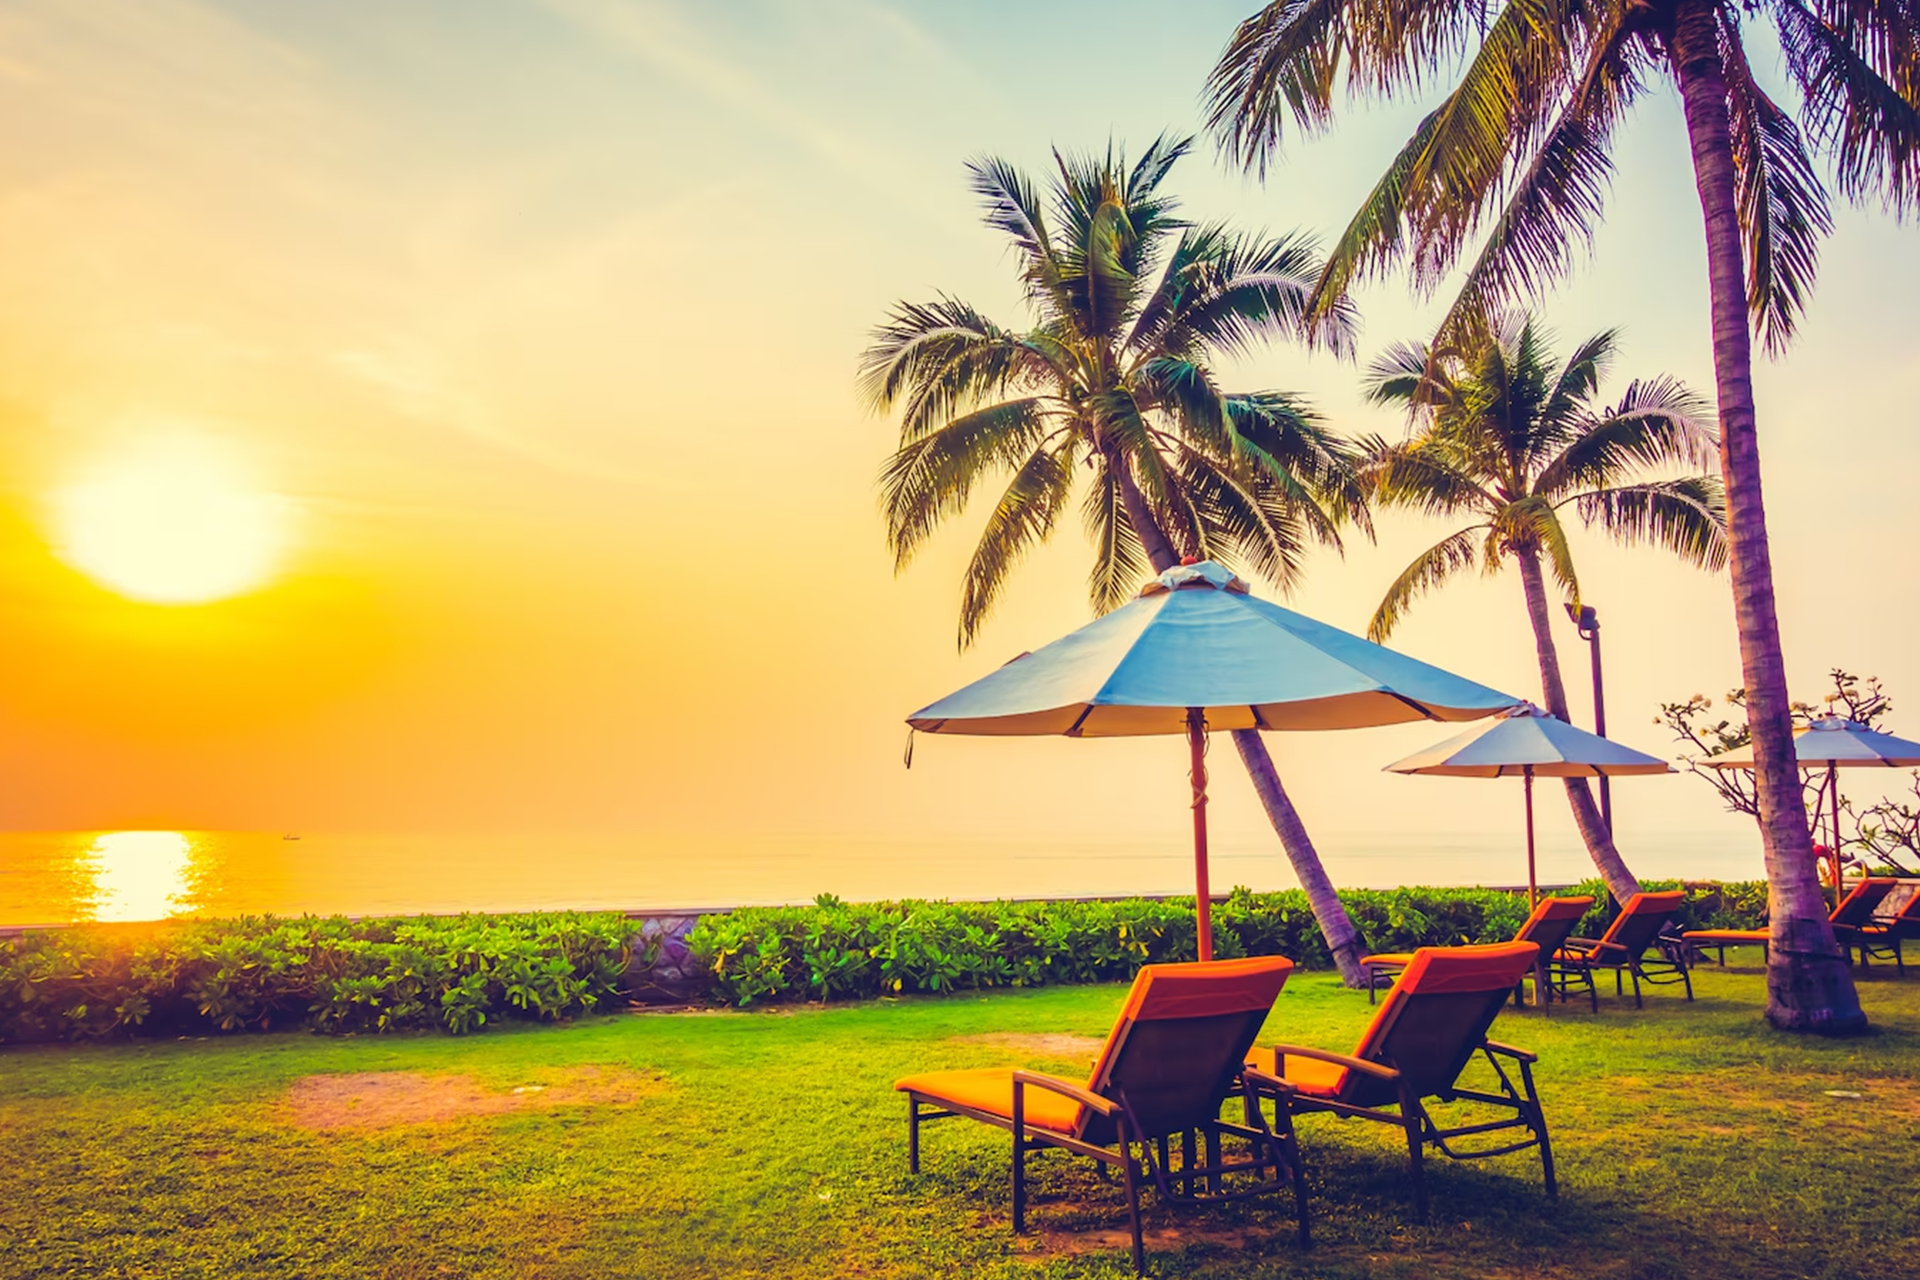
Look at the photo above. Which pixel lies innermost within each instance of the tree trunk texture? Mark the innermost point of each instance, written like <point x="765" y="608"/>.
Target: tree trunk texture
<point x="1621" y="882"/>
<point x="1336" y="926"/>
<point x="1809" y="984"/>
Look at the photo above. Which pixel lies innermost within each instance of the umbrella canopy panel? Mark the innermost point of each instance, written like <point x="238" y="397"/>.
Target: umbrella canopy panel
<point x="1529" y="741"/>
<point x="1831" y="742"/>
<point x="1197" y="639"/>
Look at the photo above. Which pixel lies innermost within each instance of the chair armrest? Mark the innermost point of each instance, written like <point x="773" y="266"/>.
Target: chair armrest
<point x="1494" y="1046"/>
<point x="1272" y="1084"/>
<point x="1053" y="1084"/>
<point x="1281" y="1052"/>
<point x="1592" y="948"/>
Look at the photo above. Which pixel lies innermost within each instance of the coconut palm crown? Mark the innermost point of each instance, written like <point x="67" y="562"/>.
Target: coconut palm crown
<point x="1506" y="437"/>
<point x="1509" y="439"/>
<point x="1113" y="390"/>
<point x="1113" y="387"/>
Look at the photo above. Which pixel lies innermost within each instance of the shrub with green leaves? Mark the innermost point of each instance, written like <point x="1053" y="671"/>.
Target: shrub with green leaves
<point x="334" y="975"/>
<point x="835" y="950"/>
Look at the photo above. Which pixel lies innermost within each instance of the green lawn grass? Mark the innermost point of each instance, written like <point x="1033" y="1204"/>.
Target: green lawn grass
<point x="1692" y="1143"/>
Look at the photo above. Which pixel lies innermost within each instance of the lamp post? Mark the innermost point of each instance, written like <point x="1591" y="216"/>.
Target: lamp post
<point x="1588" y="623"/>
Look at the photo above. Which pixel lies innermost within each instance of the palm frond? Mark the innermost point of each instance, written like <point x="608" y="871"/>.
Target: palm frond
<point x="1243" y="525"/>
<point x="1553" y="200"/>
<point x="1783" y="207"/>
<point x="943" y="357"/>
<point x="1531" y="525"/>
<point x="1421" y="476"/>
<point x="1021" y="520"/>
<point x="930" y="478"/>
<point x="1429" y="570"/>
<point x="1580" y="377"/>
<point x="1688" y="517"/>
<point x="1284" y="60"/>
<point x="1119" y="561"/>
<point x="1857" y="67"/>
<point x="1657" y="423"/>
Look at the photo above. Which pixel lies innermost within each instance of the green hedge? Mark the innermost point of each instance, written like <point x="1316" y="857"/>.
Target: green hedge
<point x="458" y="973"/>
<point x="836" y="950"/>
<point x="334" y="975"/>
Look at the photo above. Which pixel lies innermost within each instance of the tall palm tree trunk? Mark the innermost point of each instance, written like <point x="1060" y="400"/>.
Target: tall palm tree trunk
<point x="1621" y="882"/>
<point x="1809" y="984"/>
<point x="1336" y="926"/>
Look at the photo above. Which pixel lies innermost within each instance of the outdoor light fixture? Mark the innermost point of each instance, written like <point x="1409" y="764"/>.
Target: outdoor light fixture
<point x="1588" y="623"/>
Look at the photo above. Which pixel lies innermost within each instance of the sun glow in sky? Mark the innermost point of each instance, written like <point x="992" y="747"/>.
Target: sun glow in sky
<point x="544" y="319"/>
<point x="172" y="521"/>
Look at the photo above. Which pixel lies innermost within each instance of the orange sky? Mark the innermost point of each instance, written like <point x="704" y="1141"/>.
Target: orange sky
<point x="543" y="323"/>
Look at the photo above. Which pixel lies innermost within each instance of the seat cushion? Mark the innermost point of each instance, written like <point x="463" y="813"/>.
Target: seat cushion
<point x="1401" y="958"/>
<point x="1725" y="935"/>
<point x="990" y="1089"/>
<point x="1310" y="1076"/>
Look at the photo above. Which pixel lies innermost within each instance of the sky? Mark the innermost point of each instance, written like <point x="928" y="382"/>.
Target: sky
<point x="532" y="328"/>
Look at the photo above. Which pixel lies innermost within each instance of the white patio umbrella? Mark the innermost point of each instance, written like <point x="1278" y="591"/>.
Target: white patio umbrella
<point x="1530" y="743"/>
<point x="1834" y="743"/>
<point x="1193" y="652"/>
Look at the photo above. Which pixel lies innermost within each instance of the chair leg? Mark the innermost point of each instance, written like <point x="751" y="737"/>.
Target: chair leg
<point x="1414" y="1121"/>
<point x="913" y="1134"/>
<point x="1539" y="1118"/>
<point x="1633" y="970"/>
<point x="1686" y="978"/>
<point x="1187" y="1162"/>
<point x="1133" y="1202"/>
<point x="1020" y="1157"/>
<point x="1213" y="1161"/>
<point x="1290" y="1150"/>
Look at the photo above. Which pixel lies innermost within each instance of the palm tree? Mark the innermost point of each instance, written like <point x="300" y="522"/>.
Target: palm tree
<point x="1112" y="392"/>
<point x="1518" y="157"/>
<point x="1512" y="440"/>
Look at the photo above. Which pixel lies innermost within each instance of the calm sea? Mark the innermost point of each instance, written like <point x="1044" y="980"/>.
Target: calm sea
<point x="58" y="877"/>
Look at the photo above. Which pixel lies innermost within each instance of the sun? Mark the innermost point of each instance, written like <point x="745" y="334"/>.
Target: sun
<point x="175" y="523"/>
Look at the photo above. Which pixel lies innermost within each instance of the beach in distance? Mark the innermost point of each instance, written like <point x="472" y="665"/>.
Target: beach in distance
<point x="61" y="877"/>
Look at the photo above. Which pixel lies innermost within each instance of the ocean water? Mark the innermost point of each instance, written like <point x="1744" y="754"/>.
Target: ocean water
<point x="62" y="877"/>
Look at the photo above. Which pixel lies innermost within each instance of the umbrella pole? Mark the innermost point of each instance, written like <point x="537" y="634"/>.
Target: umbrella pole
<point x="1833" y="803"/>
<point x="1202" y="905"/>
<point x="1533" y="890"/>
<point x="1533" y="894"/>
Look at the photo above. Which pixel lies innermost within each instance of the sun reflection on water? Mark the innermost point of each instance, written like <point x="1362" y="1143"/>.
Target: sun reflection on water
<point x="139" y="875"/>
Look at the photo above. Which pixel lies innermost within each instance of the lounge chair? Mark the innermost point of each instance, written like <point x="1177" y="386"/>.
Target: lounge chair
<point x="1422" y="1037"/>
<point x="1552" y="920"/>
<point x="1853" y="913"/>
<point x="1624" y="948"/>
<point x="1895" y="919"/>
<point x="1173" y="1057"/>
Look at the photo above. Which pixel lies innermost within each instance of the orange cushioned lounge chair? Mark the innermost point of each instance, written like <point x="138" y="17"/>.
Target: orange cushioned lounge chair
<point x="1624" y="948"/>
<point x="1859" y="918"/>
<point x="1896" y="919"/>
<point x="1422" y="1037"/>
<point x="1169" y="1064"/>
<point x="1552" y="920"/>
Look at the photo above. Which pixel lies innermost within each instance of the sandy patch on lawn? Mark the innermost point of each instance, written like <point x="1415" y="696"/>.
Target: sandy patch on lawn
<point x="1042" y="1044"/>
<point x="387" y="1099"/>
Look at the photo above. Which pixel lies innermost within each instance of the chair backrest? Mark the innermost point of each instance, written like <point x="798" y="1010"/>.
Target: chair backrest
<point x="1642" y="919"/>
<point x="1552" y="921"/>
<point x="1860" y="906"/>
<point x="1180" y="1040"/>
<point x="1900" y="909"/>
<point x="1436" y="1017"/>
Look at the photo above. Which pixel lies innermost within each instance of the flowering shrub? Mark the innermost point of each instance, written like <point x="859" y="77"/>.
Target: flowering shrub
<point x="334" y="975"/>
